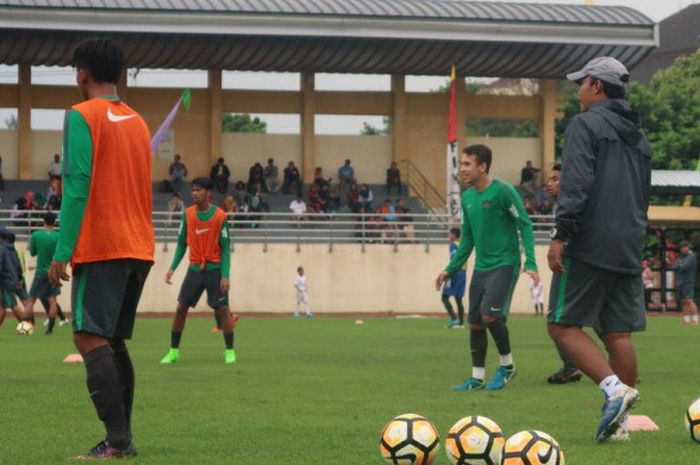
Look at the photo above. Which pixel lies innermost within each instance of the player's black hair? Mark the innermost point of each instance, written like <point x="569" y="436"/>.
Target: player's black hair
<point x="556" y="167"/>
<point x="220" y="160"/>
<point x="49" y="219"/>
<point x="101" y="57"/>
<point x="301" y="268"/>
<point x="610" y="90"/>
<point x="482" y="154"/>
<point x="456" y="231"/>
<point x="203" y="183"/>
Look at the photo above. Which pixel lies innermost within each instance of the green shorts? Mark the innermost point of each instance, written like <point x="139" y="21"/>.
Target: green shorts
<point x="194" y="285"/>
<point x="8" y="299"/>
<point x="685" y="291"/>
<point x="586" y="295"/>
<point x="42" y="289"/>
<point x="490" y="293"/>
<point x="105" y="296"/>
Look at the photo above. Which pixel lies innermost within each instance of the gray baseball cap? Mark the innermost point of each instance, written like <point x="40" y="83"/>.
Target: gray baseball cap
<point x="606" y="69"/>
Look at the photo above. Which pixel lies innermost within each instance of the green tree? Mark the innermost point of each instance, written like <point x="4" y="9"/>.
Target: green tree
<point x="371" y="130"/>
<point x="242" y="122"/>
<point x="11" y="122"/>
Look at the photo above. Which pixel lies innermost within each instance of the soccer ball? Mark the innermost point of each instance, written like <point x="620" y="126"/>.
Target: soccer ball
<point x="25" y="328"/>
<point x="692" y="420"/>
<point x="409" y="439"/>
<point x="475" y="441"/>
<point x="532" y="448"/>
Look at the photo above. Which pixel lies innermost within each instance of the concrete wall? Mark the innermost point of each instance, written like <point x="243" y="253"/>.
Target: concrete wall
<point x="510" y="154"/>
<point x="370" y="155"/>
<point x="242" y="150"/>
<point x="8" y="150"/>
<point x="345" y="280"/>
<point x="44" y="145"/>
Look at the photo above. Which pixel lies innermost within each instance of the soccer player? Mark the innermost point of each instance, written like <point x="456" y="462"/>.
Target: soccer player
<point x="493" y="217"/>
<point x="110" y="245"/>
<point x="686" y="267"/>
<point x="9" y="276"/>
<point x="302" y="294"/>
<point x="455" y="286"/>
<point x="42" y="244"/>
<point x="204" y="230"/>
<point x="536" y="290"/>
<point x="597" y="243"/>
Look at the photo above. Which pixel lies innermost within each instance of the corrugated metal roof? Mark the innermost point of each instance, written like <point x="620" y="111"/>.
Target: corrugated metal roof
<point x="675" y="178"/>
<point x="428" y="9"/>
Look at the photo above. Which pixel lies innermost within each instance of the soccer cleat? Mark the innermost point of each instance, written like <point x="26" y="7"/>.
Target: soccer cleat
<point x="296" y="315"/>
<point x="622" y="433"/>
<point x="565" y="375"/>
<point x="229" y="356"/>
<point x="104" y="451"/>
<point x="46" y="322"/>
<point x="452" y="324"/>
<point x="694" y="323"/>
<point x="500" y="379"/>
<point x="471" y="384"/>
<point x="458" y="326"/>
<point x="172" y="356"/>
<point x="615" y="410"/>
<point x="63" y="322"/>
<point x="309" y="315"/>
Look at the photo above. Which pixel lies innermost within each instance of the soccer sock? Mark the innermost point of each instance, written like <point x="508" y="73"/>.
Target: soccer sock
<point x="695" y="317"/>
<point x="499" y="332"/>
<point x="105" y="388"/>
<point x="479" y="373"/>
<point x="611" y="386"/>
<point x="128" y="379"/>
<point x="460" y="311"/>
<point x="59" y="312"/>
<point x="506" y="361"/>
<point x="448" y="307"/>
<point x="478" y="344"/>
<point x="228" y="339"/>
<point x="175" y="339"/>
<point x="52" y="322"/>
<point x="218" y="320"/>
<point x="686" y="318"/>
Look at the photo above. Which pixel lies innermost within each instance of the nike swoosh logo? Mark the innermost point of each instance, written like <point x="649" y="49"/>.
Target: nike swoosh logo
<point x="201" y="231"/>
<point x="495" y="309"/>
<point x="546" y="457"/>
<point x="117" y="118"/>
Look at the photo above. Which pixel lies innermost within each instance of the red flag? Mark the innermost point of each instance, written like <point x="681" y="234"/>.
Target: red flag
<point x="452" y="130"/>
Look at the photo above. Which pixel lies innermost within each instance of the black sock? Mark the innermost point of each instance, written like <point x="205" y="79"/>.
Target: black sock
<point x="499" y="332"/>
<point x="31" y="320"/>
<point x="52" y="321"/>
<point x="175" y="339"/>
<point x="228" y="339"/>
<point x="105" y="389"/>
<point x="478" y="344"/>
<point x="448" y="307"/>
<point x="460" y="311"/>
<point x="59" y="312"/>
<point x="218" y="320"/>
<point x="126" y="374"/>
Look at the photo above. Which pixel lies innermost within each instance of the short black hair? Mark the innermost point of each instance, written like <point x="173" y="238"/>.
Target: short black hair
<point x="610" y="90"/>
<point x="102" y="58"/>
<point x="49" y="218"/>
<point x="204" y="183"/>
<point x="556" y="167"/>
<point x="482" y="154"/>
<point x="301" y="268"/>
<point x="686" y="244"/>
<point x="220" y="160"/>
<point x="456" y="231"/>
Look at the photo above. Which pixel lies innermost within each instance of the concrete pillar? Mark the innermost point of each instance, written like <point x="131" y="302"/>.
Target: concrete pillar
<point x="215" y="114"/>
<point x="548" y="92"/>
<point x="398" y="118"/>
<point x="308" y="129"/>
<point x="24" y="122"/>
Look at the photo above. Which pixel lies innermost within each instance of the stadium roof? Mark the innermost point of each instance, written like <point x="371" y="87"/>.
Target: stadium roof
<point x="352" y="36"/>
<point x="675" y="182"/>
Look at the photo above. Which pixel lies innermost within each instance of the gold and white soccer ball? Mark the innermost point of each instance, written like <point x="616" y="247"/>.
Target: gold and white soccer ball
<point x="475" y="441"/>
<point x="409" y="439"/>
<point x="25" y="328"/>
<point x="692" y="420"/>
<point x="532" y="448"/>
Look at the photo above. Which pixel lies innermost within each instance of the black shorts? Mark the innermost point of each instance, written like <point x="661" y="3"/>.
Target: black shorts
<point x="685" y="291"/>
<point x="586" y="295"/>
<point x="42" y="289"/>
<point x="196" y="282"/>
<point x="490" y="293"/>
<point x="8" y="299"/>
<point x="105" y="296"/>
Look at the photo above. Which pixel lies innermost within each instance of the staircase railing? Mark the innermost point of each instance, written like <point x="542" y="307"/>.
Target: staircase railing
<point x="417" y="185"/>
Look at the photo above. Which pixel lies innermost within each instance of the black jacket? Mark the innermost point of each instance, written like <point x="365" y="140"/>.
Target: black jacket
<point x="605" y="188"/>
<point x="10" y="269"/>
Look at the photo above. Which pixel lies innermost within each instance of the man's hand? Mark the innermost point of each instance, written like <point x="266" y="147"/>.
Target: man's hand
<point x="225" y="285"/>
<point x="169" y="277"/>
<point x="442" y="277"/>
<point x="534" y="275"/>
<point x="57" y="273"/>
<point x="555" y="256"/>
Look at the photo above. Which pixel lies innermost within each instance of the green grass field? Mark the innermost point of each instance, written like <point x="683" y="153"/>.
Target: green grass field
<point x="320" y="391"/>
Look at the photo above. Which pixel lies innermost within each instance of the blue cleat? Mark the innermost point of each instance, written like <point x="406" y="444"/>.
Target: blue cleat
<point x="500" y="379"/>
<point x="472" y="384"/>
<point x="452" y="324"/>
<point x="615" y="409"/>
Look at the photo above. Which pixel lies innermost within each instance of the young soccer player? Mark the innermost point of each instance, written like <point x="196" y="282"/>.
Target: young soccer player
<point x="204" y="230"/>
<point x="110" y="245"/>
<point x="455" y="286"/>
<point x="302" y="294"/>
<point x="493" y="220"/>
<point x="686" y="267"/>
<point x="536" y="290"/>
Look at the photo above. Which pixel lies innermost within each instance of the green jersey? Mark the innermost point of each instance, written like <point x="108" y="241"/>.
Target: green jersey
<point x="42" y="244"/>
<point x="225" y="264"/>
<point x="491" y="220"/>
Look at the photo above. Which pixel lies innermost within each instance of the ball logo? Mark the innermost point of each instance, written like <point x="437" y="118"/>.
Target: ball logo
<point x="486" y="204"/>
<point x="544" y="458"/>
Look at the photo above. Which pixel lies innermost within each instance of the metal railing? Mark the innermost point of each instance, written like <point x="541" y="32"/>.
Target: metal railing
<point x="311" y="228"/>
<point x="417" y="184"/>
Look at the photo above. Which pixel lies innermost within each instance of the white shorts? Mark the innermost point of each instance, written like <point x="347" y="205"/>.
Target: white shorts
<point x="302" y="297"/>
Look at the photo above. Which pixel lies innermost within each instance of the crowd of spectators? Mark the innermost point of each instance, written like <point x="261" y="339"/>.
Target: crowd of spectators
<point x="33" y="204"/>
<point x="535" y="199"/>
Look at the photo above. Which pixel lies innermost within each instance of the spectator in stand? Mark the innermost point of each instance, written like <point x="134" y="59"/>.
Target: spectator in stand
<point x="403" y="217"/>
<point x="366" y="197"/>
<point x="648" y="282"/>
<point x="298" y="207"/>
<point x="256" y="175"/>
<point x="271" y="175"/>
<point x="258" y="203"/>
<point x="353" y="198"/>
<point x="241" y="195"/>
<point x="331" y="198"/>
<point x="292" y="180"/>
<point x="314" y="203"/>
<point x="55" y="168"/>
<point x="229" y="205"/>
<point x="529" y="207"/>
<point x="528" y="177"/>
<point x="320" y="181"/>
<point x="178" y="174"/>
<point x="175" y="208"/>
<point x="546" y="207"/>
<point x="346" y="177"/>
<point x="53" y="196"/>
<point x="393" y="178"/>
<point x="219" y="174"/>
<point x="387" y="211"/>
